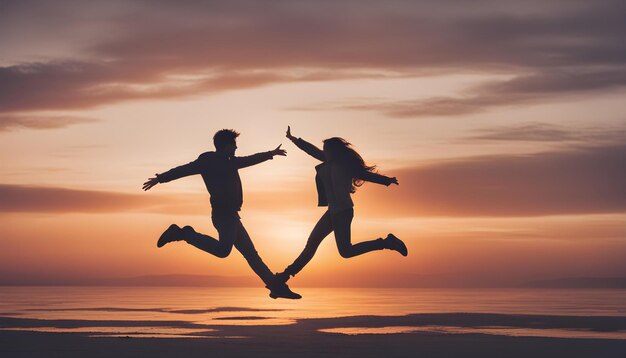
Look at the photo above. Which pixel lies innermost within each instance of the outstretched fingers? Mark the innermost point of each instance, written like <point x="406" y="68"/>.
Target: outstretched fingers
<point x="279" y="151"/>
<point x="150" y="183"/>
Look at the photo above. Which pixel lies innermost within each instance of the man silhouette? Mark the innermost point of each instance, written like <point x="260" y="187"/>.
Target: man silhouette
<point x="219" y="170"/>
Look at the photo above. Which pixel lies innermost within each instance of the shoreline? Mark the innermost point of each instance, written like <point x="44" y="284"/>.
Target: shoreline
<point x="305" y="338"/>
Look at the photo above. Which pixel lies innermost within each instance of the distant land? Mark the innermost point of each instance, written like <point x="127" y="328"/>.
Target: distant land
<point x="174" y="280"/>
<point x="579" y="282"/>
<point x="410" y="281"/>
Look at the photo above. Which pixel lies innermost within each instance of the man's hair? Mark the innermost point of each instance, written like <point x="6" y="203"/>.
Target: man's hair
<point x="224" y="137"/>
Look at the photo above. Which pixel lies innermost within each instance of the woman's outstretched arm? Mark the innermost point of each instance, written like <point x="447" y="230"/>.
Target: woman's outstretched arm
<point x="376" y="178"/>
<point x="307" y="147"/>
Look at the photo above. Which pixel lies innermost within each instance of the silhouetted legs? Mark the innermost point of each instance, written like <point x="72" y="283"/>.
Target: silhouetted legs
<point x="228" y="230"/>
<point x="339" y="223"/>
<point x="244" y="244"/>
<point x="323" y="227"/>
<point x="231" y="233"/>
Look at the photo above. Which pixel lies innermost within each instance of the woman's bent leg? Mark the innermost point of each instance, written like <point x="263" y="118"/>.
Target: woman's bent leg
<point x="341" y="224"/>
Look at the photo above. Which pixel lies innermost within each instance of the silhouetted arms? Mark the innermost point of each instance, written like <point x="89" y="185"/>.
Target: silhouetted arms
<point x="173" y="174"/>
<point x="179" y="172"/>
<point x="376" y="178"/>
<point x="250" y="160"/>
<point x="307" y="147"/>
<point x="150" y="183"/>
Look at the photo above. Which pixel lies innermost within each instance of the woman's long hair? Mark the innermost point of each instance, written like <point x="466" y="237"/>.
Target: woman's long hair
<point x="342" y="151"/>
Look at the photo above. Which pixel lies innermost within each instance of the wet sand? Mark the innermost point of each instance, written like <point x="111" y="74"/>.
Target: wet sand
<point x="304" y="338"/>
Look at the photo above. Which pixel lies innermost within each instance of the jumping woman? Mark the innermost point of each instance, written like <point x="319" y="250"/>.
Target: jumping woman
<point x="341" y="172"/>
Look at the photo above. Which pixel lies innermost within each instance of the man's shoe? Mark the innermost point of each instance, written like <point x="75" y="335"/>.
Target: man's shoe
<point x="188" y="230"/>
<point x="171" y="234"/>
<point x="393" y="243"/>
<point x="283" y="291"/>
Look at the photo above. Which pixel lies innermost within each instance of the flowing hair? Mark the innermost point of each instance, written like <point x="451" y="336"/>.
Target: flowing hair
<point x="343" y="153"/>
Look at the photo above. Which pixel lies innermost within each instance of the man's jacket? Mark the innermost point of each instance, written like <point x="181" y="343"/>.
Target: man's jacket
<point x="221" y="177"/>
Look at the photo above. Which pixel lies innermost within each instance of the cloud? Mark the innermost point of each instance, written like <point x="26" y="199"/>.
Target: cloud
<point x="37" y="199"/>
<point x="15" y="121"/>
<point x="73" y="85"/>
<point x="193" y="47"/>
<point x="576" y="181"/>
<point x="42" y="199"/>
<point x="546" y="86"/>
<point x="76" y="85"/>
<point x="545" y="132"/>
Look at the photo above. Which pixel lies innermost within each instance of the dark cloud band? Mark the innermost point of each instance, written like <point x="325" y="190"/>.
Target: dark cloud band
<point x="577" y="181"/>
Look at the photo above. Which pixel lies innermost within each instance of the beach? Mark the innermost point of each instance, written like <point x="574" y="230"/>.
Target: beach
<point x="305" y="340"/>
<point x="195" y="322"/>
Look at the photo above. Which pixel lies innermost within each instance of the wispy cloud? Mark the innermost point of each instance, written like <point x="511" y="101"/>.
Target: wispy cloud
<point x="190" y="48"/>
<point x="546" y="132"/>
<point x="576" y="181"/>
<point x="58" y="200"/>
<point x="547" y="86"/>
<point x="76" y="85"/>
<point x="37" y="199"/>
<point x="16" y="121"/>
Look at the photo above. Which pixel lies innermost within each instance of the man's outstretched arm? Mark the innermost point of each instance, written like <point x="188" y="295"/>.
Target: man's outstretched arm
<point x="150" y="183"/>
<point x="250" y="160"/>
<point x="173" y="174"/>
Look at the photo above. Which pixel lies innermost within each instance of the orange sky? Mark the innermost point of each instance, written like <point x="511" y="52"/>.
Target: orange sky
<point x="505" y="125"/>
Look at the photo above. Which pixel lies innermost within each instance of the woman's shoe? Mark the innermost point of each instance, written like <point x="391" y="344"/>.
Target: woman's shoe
<point x="393" y="243"/>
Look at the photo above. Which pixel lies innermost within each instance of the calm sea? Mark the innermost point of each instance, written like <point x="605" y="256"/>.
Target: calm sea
<point x="252" y="306"/>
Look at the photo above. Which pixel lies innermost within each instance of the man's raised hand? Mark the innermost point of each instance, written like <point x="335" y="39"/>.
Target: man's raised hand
<point x="150" y="183"/>
<point x="279" y="151"/>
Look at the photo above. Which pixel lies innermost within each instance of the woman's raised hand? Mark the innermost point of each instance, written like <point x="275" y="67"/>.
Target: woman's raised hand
<point x="292" y="138"/>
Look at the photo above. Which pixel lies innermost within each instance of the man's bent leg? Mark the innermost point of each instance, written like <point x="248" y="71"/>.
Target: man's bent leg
<point x="227" y="229"/>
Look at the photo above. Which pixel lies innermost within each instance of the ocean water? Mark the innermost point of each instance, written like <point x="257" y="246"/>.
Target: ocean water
<point x="155" y="308"/>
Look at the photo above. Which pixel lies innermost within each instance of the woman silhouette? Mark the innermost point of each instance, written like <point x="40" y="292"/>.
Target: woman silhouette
<point x="341" y="172"/>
